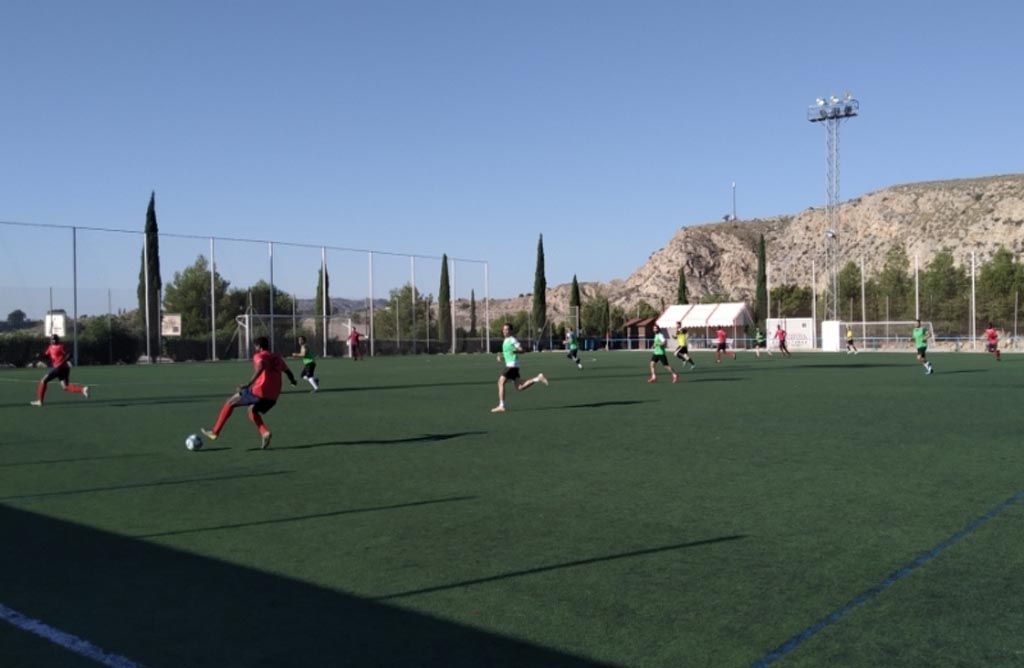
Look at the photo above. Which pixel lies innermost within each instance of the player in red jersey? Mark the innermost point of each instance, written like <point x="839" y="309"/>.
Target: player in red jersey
<point x="722" y="347"/>
<point x="992" y="346"/>
<point x="259" y="394"/>
<point x="58" y="359"/>
<point x="780" y="334"/>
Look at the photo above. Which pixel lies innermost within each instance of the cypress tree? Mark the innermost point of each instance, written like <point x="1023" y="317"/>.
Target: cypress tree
<point x="681" y="296"/>
<point x="150" y="257"/>
<point x="761" y="294"/>
<point x="472" y="312"/>
<point x="540" y="288"/>
<point x="323" y="286"/>
<point x="444" y="307"/>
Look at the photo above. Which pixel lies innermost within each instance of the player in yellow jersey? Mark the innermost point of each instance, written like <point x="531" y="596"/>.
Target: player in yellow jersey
<point x="682" y="350"/>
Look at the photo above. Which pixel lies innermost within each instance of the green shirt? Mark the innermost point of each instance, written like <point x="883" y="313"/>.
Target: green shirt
<point x="759" y="336"/>
<point x="509" y="349"/>
<point x="659" y="344"/>
<point x="920" y="335"/>
<point x="572" y="341"/>
<point x="307" y="356"/>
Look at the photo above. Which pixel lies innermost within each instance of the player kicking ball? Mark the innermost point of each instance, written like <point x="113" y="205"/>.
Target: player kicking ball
<point x="510" y="352"/>
<point x="58" y="359"/>
<point x="260" y="393"/>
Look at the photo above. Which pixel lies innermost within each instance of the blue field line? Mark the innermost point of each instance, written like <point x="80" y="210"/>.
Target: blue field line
<point x="894" y="577"/>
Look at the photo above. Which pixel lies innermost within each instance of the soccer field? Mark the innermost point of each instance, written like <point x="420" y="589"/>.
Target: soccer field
<point x="823" y="510"/>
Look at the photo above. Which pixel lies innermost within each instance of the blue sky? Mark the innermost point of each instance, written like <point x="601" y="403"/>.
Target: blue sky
<point x="469" y="128"/>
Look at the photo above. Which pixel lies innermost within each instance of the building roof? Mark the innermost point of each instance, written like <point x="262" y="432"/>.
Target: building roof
<point x="693" y="316"/>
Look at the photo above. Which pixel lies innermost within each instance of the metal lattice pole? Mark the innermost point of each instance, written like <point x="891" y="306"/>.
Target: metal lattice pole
<point x="832" y="112"/>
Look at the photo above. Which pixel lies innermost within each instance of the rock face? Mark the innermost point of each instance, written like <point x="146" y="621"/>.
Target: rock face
<point x="978" y="215"/>
<point x="720" y="259"/>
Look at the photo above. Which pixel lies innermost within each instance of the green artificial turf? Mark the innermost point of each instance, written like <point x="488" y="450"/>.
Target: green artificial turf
<point x="602" y="520"/>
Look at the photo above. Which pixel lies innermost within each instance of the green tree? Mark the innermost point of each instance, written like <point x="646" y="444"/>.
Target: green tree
<point x="945" y="293"/>
<point x="323" y="286"/>
<point x="257" y="296"/>
<point x="681" y="293"/>
<point x="150" y="263"/>
<point x="645" y="310"/>
<point x="999" y="281"/>
<point x="761" y="288"/>
<point x="791" y="301"/>
<point x="16" y="318"/>
<point x="849" y="291"/>
<point x="540" y="289"/>
<point x="444" y="307"/>
<point x="472" y="313"/>
<point x="575" y="302"/>
<point x="188" y="293"/>
<point x="895" y="284"/>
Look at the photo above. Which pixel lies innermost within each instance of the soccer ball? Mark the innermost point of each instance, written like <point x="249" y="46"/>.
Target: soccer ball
<point x="194" y="442"/>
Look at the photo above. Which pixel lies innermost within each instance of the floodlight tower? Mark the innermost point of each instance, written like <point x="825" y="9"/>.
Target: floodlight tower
<point x="831" y="112"/>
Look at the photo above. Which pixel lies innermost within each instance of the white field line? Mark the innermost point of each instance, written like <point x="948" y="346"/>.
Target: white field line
<point x="65" y="640"/>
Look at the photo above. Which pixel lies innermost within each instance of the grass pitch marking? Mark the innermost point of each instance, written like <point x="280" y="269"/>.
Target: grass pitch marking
<point x="894" y="577"/>
<point x="65" y="640"/>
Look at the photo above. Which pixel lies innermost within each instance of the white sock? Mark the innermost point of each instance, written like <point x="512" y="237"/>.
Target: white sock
<point x="312" y="381"/>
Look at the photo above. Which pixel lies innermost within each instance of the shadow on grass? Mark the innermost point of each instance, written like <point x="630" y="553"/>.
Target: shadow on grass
<point x="43" y="462"/>
<point x="425" y="438"/>
<point x="596" y="404"/>
<point x="141" y="485"/>
<point x="164" y="607"/>
<point x="299" y="518"/>
<point x="568" y="564"/>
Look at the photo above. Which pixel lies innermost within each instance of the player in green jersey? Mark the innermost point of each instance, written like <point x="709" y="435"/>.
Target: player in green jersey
<point x="572" y="345"/>
<point x="921" y="336"/>
<point x="760" y="343"/>
<point x="658" y="356"/>
<point x="308" y="363"/>
<point x="510" y="352"/>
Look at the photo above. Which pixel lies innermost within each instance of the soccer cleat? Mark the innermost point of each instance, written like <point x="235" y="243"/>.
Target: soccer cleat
<point x="209" y="434"/>
<point x="35" y="403"/>
<point x="542" y="379"/>
<point x="652" y="379"/>
<point x="930" y="370"/>
<point x="498" y="409"/>
<point x="85" y="391"/>
<point x="265" y="441"/>
<point x="675" y="379"/>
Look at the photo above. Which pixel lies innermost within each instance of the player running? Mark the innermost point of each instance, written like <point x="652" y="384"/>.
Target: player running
<point x="780" y="334"/>
<point x="308" y="363"/>
<point x="658" y="355"/>
<point x="572" y="344"/>
<point x="682" y="349"/>
<point x="58" y="359"/>
<point x="992" y="344"/>
<point x="260" y="393"/>
<point x="850" y="348"/>
<point x="510" y="352"/>
<point x="760" y="343"/>
<point x="921" y="336"/>
<point x="722" y="346"/>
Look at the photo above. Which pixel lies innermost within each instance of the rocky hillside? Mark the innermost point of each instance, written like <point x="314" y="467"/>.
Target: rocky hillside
<point x="963" y="215"/>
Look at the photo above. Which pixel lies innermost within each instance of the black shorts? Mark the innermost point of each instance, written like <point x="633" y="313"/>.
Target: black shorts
<point x="992" y="347"/>
<point x="760" y="344"/>
<point x="309" y="370"/>
<point x="682" y="350"/>
<point x="61" y="373"/>
<point x="721" y="346"/>
<point x="660" y="358"/>
<point x="849" y="342"/>
<point x="922" y="350"/>
<point x="511" y="373"/>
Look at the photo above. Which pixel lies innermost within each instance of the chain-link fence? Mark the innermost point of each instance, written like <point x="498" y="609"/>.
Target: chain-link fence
<point x="208" y="297"/>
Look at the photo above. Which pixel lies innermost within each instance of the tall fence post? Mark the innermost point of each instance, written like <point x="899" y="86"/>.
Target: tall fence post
<point x="213" y="302"/>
